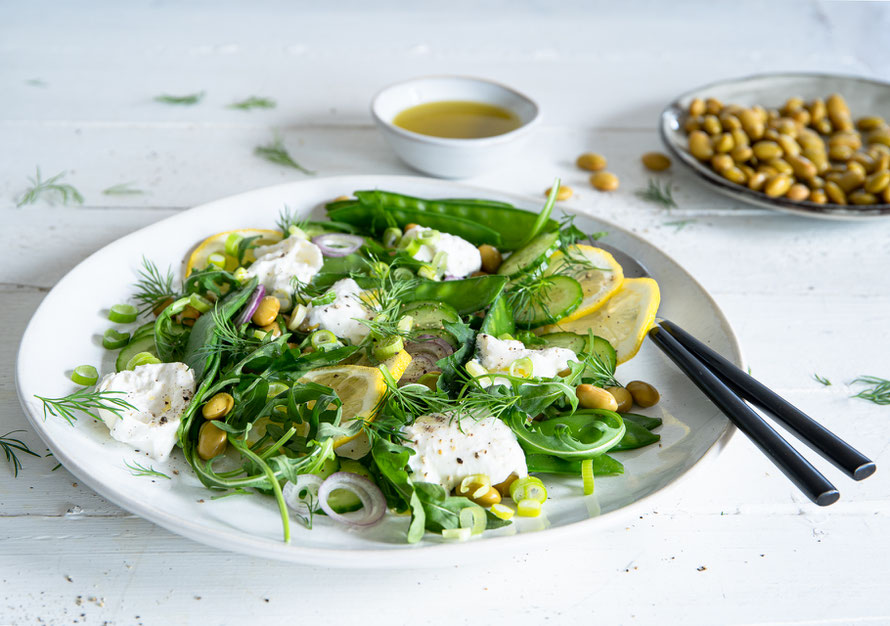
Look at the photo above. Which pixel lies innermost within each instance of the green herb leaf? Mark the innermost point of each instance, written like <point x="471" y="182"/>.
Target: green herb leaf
<point x="680" y="224"/>
<point x="878" y="391"/>
<point x="821" y="380"/>
<point x="39" y="187"/>
<point x="186" y="100"/>
<point x="275" y="152"/>
<point x="11" y="446"/>
<point x="137" y="469"/>
<point x="658" y="193"/>
<point x="152" y="288"/>
<point x="253" y="102"/>
<point x="85" y="401"/>
<point x="123" y="189"/>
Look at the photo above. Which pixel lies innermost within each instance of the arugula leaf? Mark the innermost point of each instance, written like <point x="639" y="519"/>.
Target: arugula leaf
<point x="450" y="378"/>
<point x="578" y="436"/>
<point x="391" y="460"/>
<point x="499" y="318"/>
<point x="443" y="511"/>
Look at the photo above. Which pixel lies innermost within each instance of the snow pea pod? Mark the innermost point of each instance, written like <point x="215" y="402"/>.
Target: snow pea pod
<point x="603" y="465"/>
<point x="499" y="319"/>
<point x="466" y="296"/>
<point x="582" y="435"/>
<point x="638" y="433"/>
<point x="513" y="225"/>
<point x="375" y="219"/>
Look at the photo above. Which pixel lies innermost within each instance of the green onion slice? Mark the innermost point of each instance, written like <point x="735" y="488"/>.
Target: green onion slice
<point x="201" y="303"/>
<point x="528" y="488"/>
<point x="85" y="375"/>
<point x="217" y="260"/>
<point x="528" y="508"/>
<point x="322" y="337"/>
<point x="114" y="339"/>
<point x="324" y="300"/>
<point x="232" y="243"/>
<point x="473" y="517"/>
<point x="427" y="271"/>
<point x="411" y="245"/>
<point x="277" y="388"/>
<point x="456" y="534"/>
<point x="123" y="313"/>
<point x="391" y="237"/>
<point x="142" y="358"/>
<point x="587" y="476"/>
<point x="388" y="347"/>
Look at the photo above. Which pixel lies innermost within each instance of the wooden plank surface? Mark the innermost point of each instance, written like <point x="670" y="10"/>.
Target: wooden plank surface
<point x="737" y="545"/>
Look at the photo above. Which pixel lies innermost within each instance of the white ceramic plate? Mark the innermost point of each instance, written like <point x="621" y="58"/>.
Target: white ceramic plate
<point x="865" y="97"/>
<point x="66" y="331"/>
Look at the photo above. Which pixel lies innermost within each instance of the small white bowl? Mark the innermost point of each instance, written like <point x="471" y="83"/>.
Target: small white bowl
<point x="452" y="158"/>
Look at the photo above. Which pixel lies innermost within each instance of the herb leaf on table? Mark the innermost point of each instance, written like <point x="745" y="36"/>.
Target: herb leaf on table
<point x="185" y="100"/>
<point x="275" y="152"/>
<point x="821" y="380"/>
<point x="253" y="102"/>
<point x="85" y="401"/>
<point x="878" y="392"/>
<point x="658" y="193"/>
<point x="66" y="193"/>
<point x="138" y="469"/>
<point x="11" y="446"/>
<point x="123" y="189"/>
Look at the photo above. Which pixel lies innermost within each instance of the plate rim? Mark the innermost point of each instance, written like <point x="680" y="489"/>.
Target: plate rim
<point x="671" y="113"/>
<point x="411" y="557"/>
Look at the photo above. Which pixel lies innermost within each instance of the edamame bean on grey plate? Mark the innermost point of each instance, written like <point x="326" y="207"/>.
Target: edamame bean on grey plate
<point x="322" y="364"/>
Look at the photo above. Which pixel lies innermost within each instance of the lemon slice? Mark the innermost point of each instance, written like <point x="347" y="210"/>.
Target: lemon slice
<point x="597" y="284"/>
<point x="359" y="387"/>
<point x="623" y="320"/>
<point x="216" y="244"/>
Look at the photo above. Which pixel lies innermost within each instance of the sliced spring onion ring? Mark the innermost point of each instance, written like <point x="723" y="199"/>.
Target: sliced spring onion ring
<point x="502" y="511"/>
<point x="587" y="476"/>
<point x="402" y="273"/>
<point x="324" y="300"/>
<point x="528" y="508"/>
<point x="373" y="501"/>
<point x="528" y="488"/>
<point x="85" y="375"/>
<point x="406" y="323"/>
<point x="410" y="245"/>
<point x="379" y="269"/>
<point x="302" y="494"/>
<point x="240" y="274"/>
<point x="232" y="242"/>
<point x="338" y="244"/>
<point x="217" y="260"/>
<point x="474" y="368"/>
<point x="505" y="337"/>
<point x="428" y="237"/>
<point x="297" y="317"/>
<point x="276" y="388"/>
<point x="522" y="368"/>
<point x="322" y="337"/>
<point x="391" y="236"/>
<point x="456" y="534"/>
<point x="482" y="482"/>
<point x="200" y="303"/>
<point x="473" y="517"/>
<point x="142" y="358"/>
<point x="428" y="272"/>
<point x="388" y="347"/>
<point x="114" y="339"/>
<point x="295" y="231"/>
<point x="123" y="313"/>
<point x="440" y="260"/>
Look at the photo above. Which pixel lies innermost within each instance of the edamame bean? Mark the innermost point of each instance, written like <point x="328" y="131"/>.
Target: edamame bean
<point x="491" y="258"/>
<point x="622" y="398"/>
<point x="766" y="150"/>
<point x="656" y="161"/>
<point x="798" y="192"/>
<point x="565" y="192"/>
<point x="266" y="311"/>
<point x="877" y="182"/>
<point x="644" y="394"/>
<point x="591" y="397"/>
<point x="700" y="145"/>
<point x="211" y="441"/>
<point x="818" y="196"/>
<point x="835" y="193"/>
<point x="604" y="181"/>
<point x="862" y="197"/>
<point x="711" y="125"/>
<point x="777" y="185"/>
<point x="591" y="162"/>
<point x="697" y="107"/>
<point x="218" y="406"/>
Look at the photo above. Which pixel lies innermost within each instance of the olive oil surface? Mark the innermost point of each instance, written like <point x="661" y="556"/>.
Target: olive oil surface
<point x="457" y="119"/>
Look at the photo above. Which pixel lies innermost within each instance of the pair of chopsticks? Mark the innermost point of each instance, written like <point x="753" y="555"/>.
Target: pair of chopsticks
<point x="731" y="389"/>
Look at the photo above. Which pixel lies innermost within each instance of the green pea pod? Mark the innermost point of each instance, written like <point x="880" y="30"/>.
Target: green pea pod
<point x="578" y="436"/>
<point x="603" y="465"/>
<point x="375" y="219"/>
<point x="466" y="296"/>
<point x="514" y="226"/>
<point x="643" y="420"/>
<point x="499" y="319"/>
<point x="635" y="436"/>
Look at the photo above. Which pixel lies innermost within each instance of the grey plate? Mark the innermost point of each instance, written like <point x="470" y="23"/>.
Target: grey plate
<point x="865" y="97"/>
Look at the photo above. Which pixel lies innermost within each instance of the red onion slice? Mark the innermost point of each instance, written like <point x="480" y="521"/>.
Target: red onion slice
<point x="430" y="345"/>
<point x="337" y="244"/>
<point x="373" y="501"/>
<point x="300" y="494"/>
<point x="252" y="303"/>
<point x="420" y="364"/>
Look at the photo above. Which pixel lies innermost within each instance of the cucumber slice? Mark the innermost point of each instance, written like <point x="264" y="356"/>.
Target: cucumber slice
<point x="559" y="299"/>
<point x="146" y="343"/>
<point x="530" y="256"/>
<point x="146" y="329"/>
<point x="573" y="341"/>
<point x="430" y="314"/>
<point x="605" y="351"/>
<point x="441" y="333"/>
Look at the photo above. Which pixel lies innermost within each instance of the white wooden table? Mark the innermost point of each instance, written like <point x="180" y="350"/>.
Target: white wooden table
<point x="739" y="545"/>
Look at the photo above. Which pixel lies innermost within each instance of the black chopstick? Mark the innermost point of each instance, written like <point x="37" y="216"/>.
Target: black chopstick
<point x="807" y="478"/>
<point x="833" y="448"/>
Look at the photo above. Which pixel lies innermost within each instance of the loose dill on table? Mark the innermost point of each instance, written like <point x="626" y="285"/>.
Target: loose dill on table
<point x="63" y="191"/>
<point x="275" y="152"/>
<point x="85" y="401"/>
<point x="658" y="193"/>
<point x="12" y="446"/>
<point x="878" y="392"/>
<point x="821" y="380"/>
<point x="137" y="469"/>
<point x="187" y="99"/>
<point x="253" y="102"/>
<point x="123" y="189"/>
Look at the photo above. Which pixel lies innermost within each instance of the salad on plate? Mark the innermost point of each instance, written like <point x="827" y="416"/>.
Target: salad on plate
<point x="434" y="358"/>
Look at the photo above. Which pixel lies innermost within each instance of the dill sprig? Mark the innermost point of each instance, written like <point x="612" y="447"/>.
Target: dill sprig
<point x="287" y="219"/>
<point x="187" y="100"/>
<point x="39" y="187"/>
<point x="275" y="152"/>
<point x="85" y="401"/>
<point x="11" y="446"/>
<point x="138" y="469"/>
<point x="253" y="102"/>
<point x="680" y="224"/>
<point x="153" y="287"/>
<point x="385" y="300"/>
<point x="821" y="380"/>
<point x="658" y="193"/>
<point x="878" y="392"/>
<point x="123" y="189"/>
<point x="231" y="341"/>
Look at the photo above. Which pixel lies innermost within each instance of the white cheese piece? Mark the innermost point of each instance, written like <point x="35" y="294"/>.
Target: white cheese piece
<point x="160" y="393"/>
<point x="340" y="317"/>
<point x="496" y="355"/>
<point x="447" y="452"/>
<point x="463" y="257"/>
<point x="275" y="265"/>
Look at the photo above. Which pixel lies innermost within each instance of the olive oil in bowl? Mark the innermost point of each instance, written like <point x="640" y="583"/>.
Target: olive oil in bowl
<point x="457" y="119"/>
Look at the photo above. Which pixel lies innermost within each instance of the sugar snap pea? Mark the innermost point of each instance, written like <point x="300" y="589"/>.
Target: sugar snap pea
<point x="466" y="296"/>
<point x="603" y="465"/>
